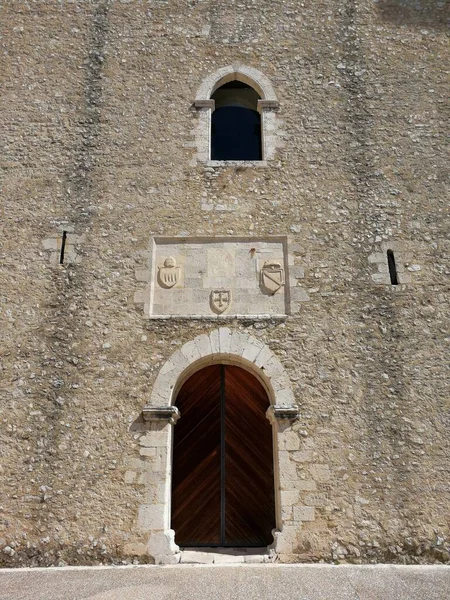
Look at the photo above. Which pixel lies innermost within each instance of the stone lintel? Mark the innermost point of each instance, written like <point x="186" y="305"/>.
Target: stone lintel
<point x="205" y="104"/>
<point x="282" y="413"/>
<point x="161" y="413"/>
<point x="268" y="104"/>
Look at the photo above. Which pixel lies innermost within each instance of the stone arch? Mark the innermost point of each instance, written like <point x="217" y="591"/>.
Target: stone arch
<point x="223" y="345"/>
<point x="267" y="107"/>
<point x="248" y="75"/>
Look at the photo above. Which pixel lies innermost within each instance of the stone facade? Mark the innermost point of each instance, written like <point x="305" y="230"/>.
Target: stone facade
<point x="106" y="110"/>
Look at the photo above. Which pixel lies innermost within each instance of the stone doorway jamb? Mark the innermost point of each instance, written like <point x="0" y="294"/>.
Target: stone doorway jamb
<point x="224" y="346"/>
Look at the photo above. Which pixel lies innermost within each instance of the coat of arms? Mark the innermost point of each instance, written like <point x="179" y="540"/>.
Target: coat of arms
<point x="220" y="300"/>
<point x="169" y="273"/>
<point x="271" y="277"/>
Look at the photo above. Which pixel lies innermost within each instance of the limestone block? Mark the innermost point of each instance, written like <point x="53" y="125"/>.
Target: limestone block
<point x="147" y="452"/>
<point x="220" y="558"/>
<point x="304" y="513"/>
<point x="303" y="455"/>
<point x="299" y="294"/>
<point x="190" y="351"/>
<point x="164" y="384"/>
<point x="287" y="540"/>
<point x="289" y="498"/>
<point x="140" y="297"/>
<point x="255" y="558"/>
<point x="263" y="357"/>
<point x="149" y="477"/>
<point x="167" y="559"/>
<point x="203" y="343"/>
<point x="179" y="362"/>
<point x="130" y="476"/>
<point x="287" y="468"/>
<point x="137" y="464"/>
<point x="297" y="272"/>
<point x="160" y="396"/>
<point x="284" y="397"/>
<point x="151" y="517"/>
<point x="161" y="544"/>
<point x="252" y="350"/>
<point x="51" y="243"/>
<point x="154" y="439"/>
<point x="194" y="557"/>
<point x="381" y="278"/>
<point x="214" y="341"/>
<point x="289" y="440"/>
<point x="142" y="275"/>
<point x="170" y="365"/>
<point x="316" y="499"/>
<point x="383" y="268"/>
<point x="306" y="485"/>
<point x="280" y="382"/>
<point x="160" y="461"/>
<point x="273" y="368"/>
<point x="157" y="493"/>
<point x="320" y="473"/>
<point x="237" y="343"/>
<point x="377" y="257"/>
<point x="135" y="549"/>
<point x="286" y="512"/>
<point x="224" y="340"/>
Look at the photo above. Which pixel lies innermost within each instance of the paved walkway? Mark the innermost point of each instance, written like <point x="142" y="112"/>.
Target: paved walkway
<point x="233" y="582"/>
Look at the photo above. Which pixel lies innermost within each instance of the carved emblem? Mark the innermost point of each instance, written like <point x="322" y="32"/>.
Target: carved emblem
<point x="220" y="300"/>
<point x="169" y="273"/>
<point x="272" y="277"/>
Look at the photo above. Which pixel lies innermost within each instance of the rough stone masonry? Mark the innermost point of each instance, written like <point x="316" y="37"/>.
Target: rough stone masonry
<point x="105" y="149"/>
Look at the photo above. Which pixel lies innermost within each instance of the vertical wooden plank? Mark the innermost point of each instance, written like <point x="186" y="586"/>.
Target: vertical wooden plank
<point x="196" y="461"/>
<point x="249" y="483"/>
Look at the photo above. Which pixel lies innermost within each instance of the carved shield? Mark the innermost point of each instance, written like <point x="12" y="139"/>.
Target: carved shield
<point x="272" y="277"/>
<point x="169" y="273"/>
<point x="220" y="300"/>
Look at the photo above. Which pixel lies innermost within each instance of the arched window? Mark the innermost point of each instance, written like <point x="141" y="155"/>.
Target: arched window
<point x="236" y="118"/>
<point x="236" y="123"/>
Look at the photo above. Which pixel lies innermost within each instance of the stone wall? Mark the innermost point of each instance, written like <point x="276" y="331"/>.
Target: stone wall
<point x="99" y="120"/>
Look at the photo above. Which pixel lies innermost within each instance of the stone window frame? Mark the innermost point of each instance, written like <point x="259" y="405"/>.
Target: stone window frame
<point x="268" y="106"/>
<point x="155" y="431"/>
<point x="52" y="245"/>
<point x="408" y="270"/>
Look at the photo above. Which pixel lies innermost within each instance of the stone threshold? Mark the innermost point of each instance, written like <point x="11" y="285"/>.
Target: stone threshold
<point x="226" y="555"/>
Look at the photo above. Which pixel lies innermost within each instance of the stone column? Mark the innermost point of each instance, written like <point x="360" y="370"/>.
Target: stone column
<point x="154" y="517"/>
<point x="287" y="493"/>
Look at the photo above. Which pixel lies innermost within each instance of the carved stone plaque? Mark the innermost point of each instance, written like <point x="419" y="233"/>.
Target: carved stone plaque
<point x="218" y="277"/>
<point x="169" y="273"/>
<point x="271" y="276"/>
<point x="220" y="300"/>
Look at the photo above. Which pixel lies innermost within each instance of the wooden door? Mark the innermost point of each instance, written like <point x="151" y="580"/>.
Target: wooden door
<point x="222" y="482"/>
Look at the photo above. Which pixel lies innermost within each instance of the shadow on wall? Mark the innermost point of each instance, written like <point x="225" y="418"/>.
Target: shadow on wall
<point x="434" y="14"/>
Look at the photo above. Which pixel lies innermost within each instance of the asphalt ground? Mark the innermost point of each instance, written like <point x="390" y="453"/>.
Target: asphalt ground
<point x="228" y="582"/>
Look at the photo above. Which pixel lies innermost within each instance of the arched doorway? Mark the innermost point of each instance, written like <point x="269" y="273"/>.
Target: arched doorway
<point x="223" y="475"/>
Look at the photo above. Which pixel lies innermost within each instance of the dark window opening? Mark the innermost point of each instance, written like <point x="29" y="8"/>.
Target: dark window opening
<point x="236" y="123"/>
<point x="63" y="247"/>
<point x="392" y="267"/>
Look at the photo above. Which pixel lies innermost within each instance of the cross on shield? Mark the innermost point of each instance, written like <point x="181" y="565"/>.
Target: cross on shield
<point x="220" y="300"/>
<point x="272" y="277"/>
